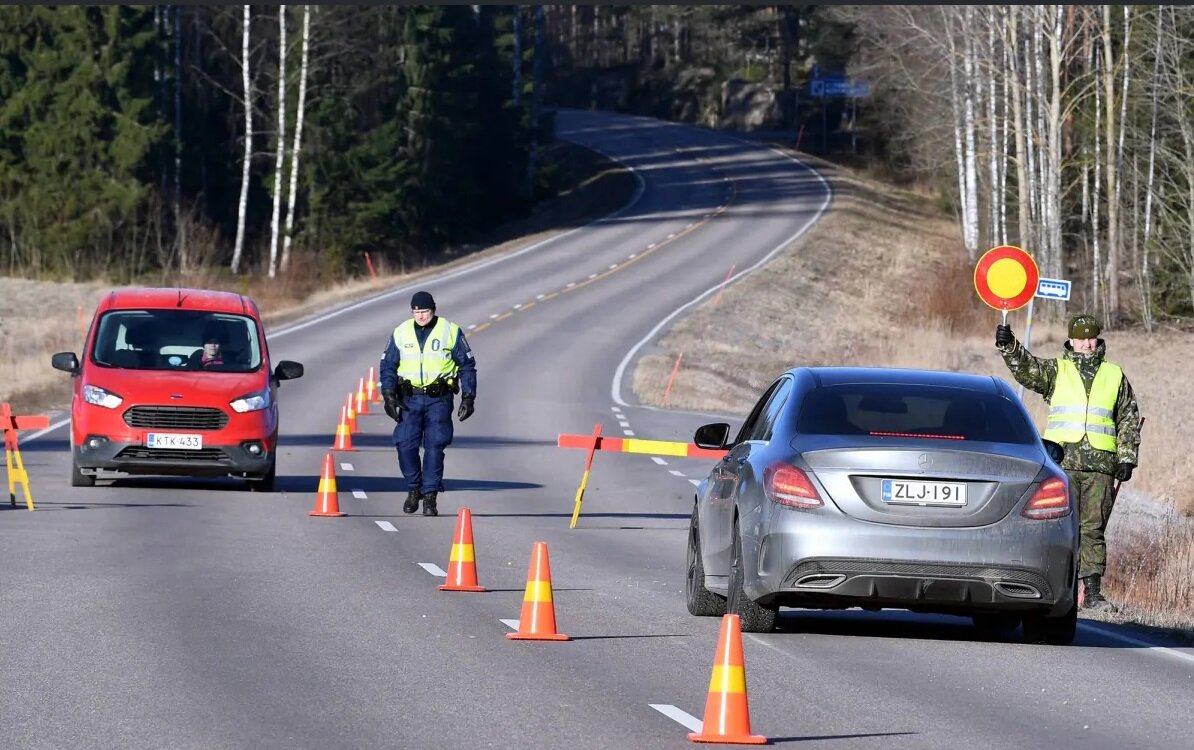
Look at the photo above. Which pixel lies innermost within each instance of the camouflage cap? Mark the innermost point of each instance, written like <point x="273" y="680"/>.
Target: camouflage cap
<point x="1084" y="327"/>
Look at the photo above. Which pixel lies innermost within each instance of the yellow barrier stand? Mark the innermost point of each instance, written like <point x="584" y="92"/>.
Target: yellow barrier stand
<point x="12" y="452"/>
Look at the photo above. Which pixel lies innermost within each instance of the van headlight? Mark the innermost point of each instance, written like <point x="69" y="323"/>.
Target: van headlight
<point x="93" y="394"/>
<point x="251" y="402"/>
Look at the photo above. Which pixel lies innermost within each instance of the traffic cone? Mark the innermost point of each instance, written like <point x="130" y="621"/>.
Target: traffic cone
<point x="538" y="619"/>
<point x="372" y="392"/>
<point x="462" y="565"/>
<point x="727" y="716"/>
<point x="362" y="402"/>
<point x="343" y="440"/>
<point x="351" y="413"/>
<point x="327" y="502"/>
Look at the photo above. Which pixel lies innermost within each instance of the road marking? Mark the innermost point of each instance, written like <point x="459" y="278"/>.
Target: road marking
<point x="695" y="482"/>
<point x="623" y="422"/>
<point x="675" y="473"/>
<point x="503" y="316"/>
<point x="518" y="306"/>
<point x="345" y="466"/>
<point x="689" y="226"/>
<point x="629" y="433"/>
<point x="512" y="624"/>
<point x="651" y="246"/>
<point x="615" y="409"/>
<point x="493" y="317"/>
<point x="613" y="266"/>
<point x="434" y="569"/>
<point x="540" y="296"/>
<point x="360" y="495"/>
<point x="659" y="460"/>
<point x="385" y="525"/>
<point x="553" y="295"/>
<point x="1161" y="650"/>
<point x="632" y="256"/>
<point x="472" y="326"/>
<point x="670" y="236"/>
<point x="570" y="285"/>
<point x="592" y="276"/>
<point x="686" y="720"/>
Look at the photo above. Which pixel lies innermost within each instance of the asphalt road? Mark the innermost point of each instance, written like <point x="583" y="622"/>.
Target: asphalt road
<point x="153" y="613"/>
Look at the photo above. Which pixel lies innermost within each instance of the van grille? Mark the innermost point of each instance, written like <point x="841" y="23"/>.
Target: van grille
<point x="175" y="418"/>
<point x="141" y="453"/>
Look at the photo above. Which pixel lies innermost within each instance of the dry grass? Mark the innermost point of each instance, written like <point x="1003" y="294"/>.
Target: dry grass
<point x="882" y="280"/>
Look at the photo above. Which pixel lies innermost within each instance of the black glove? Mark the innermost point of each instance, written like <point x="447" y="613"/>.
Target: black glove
<point x="466" y="408"/>
<point x="1123" y="472"/>
<point x="393" y="405"/>
<point x="1003" y="335"/>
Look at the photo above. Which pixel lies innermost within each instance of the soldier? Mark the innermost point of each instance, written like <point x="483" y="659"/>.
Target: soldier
<point x="1094" y="416"/>
<point x="426" y="361"/>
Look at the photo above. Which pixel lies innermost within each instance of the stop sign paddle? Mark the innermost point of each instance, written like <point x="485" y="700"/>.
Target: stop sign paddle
<point x="1006" y="278"/>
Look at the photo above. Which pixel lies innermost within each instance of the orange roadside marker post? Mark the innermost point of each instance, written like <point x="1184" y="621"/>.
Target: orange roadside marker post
<point x="362" y="405"/>
<point x="327" y="501"/>
<point x="537" y="621"/>
<point x="462" y="565"/>
<point x="584" y="478"/>
<point x="727" y="714"/>
<point x="9" y="424"/>
<point x="343" y="441"/>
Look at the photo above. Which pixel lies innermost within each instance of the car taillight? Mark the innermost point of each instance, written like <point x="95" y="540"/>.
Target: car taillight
<point x="787" y="485"/>
<point x="1051" y="500"/>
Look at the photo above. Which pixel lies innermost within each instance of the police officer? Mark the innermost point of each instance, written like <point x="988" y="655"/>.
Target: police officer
<point x="1094" y="416"/>
<point x="426" y="361"/>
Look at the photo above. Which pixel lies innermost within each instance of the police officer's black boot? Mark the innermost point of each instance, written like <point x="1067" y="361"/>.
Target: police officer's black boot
<point x="1093" y="597"/>
<point x="412" y="502"/>
<point x="429" y="508"/>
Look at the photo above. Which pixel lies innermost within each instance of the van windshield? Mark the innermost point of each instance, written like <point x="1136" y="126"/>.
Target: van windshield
<point x="177" y="340"/>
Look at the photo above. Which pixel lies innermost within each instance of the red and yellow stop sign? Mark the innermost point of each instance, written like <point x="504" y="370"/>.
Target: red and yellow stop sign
<point x="1006" y="277"/>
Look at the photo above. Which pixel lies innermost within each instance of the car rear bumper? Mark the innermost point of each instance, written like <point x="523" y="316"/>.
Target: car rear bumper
<point x="212" y="460"/>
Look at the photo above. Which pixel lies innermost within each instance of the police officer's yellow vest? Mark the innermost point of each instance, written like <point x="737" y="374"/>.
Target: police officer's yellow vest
<point x="424" y="366"/>
<point x="1072" y="414"/>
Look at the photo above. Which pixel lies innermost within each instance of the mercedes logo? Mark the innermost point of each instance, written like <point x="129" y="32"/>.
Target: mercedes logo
<point x="924" y="461"/>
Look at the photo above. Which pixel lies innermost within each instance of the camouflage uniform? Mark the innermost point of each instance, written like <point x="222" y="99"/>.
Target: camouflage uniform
<point x="1091" y="471"/>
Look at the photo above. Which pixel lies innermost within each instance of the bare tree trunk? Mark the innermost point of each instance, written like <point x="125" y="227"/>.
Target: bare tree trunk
<point x="1053" y="259"/>
<point x="1145" y="279"/>
<point x="280" y="155"/>
<point x="992" y="133"/>
<point x="1112" y="174"/>
<point x="1097" y="270"/>
<point x="1020" y="121"/>
<point x="971" y="204"/>
<point x="243" y="205"/>
<point x="296" y="147"/>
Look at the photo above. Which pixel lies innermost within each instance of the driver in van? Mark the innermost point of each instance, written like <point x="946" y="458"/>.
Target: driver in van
<point x="210" y="356"/>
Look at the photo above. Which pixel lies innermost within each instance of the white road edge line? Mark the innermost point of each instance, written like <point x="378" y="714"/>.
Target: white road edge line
<point x="695" y="482"/>
<point x="1161" y="650"/>
<point x="684" y="719"/>
<point x="434" y="569"/>
<point x="385" y="525"/>
<point x="659" y="460"/>
<point x="360" y="495"/>
<point x="628" y="433"/>
<point x="512" y="624"/>
<point x="616" y="386"/>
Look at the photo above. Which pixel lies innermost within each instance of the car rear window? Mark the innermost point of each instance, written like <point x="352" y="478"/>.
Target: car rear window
<point x="174" y="340"/>
<point x="899" y="410"/>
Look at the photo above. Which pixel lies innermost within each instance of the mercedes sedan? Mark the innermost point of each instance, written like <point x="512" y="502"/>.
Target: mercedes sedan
<point x="884" y="488"/>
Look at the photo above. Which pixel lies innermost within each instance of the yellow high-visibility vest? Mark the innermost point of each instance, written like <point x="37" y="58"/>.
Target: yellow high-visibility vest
<point x="426" y="365"/>
<point x="1072" y="414"/>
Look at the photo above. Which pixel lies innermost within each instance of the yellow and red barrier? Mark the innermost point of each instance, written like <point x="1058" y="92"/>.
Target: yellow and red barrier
<point x="9" y="424"/>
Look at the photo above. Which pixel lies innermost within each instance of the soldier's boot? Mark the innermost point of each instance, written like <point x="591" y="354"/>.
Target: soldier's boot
<point x="1093" y="596"/>
<point x="412" y="502"/>
<point x="429" y="508"/>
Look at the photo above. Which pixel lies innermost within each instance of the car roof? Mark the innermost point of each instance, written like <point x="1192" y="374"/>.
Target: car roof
<point x="830" y="376"/>
<point x="206" y="300"/>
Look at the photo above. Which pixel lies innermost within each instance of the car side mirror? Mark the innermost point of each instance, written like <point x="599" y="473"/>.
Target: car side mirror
<point x="1055" y="451"/>
<point x="712" y="436"/>
<point x="65" y="361"/>
<point x="287" y="370"/>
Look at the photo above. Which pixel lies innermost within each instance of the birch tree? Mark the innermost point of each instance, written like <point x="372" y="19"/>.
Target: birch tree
<point x="297" y="147"/>
<point x="242" y="206"/>
<point x="280" y="155"/>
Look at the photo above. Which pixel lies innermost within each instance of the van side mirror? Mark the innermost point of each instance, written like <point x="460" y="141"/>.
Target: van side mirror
<point x="65" y="361"/>
<point x="1055" y="451"/>
<point x="287" y="370"/>
<point x="712" y="436"/>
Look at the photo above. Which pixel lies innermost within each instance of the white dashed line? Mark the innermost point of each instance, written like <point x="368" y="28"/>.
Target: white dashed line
<point x="671" y="236"/>
<point x="651" y="246"/>
<point x="434" y="569"/>
<point x="570" y="285"/>
<point x="518" y="306"/>
<point x="472" y="326"/>
<point x="385" y="525"/>
<point x="623" y="423"/>
<point x="675" y="473"/>
<point x="592" y="276"/>
<point x="628" y="433"/>
<point x="512" y="624"/>
<point x="695" y="482"/>
<point x="493" y="317"/>
<point x="360" y="495"/>
<point x="1159" y="650"/>
<point x="659" y="460"/>
<point x="346" y="466"/>
<point x="540" y="296"/>
<point x="615" y="409"/>
<point x="686" y="720"/>
<point x="632" y="256"/>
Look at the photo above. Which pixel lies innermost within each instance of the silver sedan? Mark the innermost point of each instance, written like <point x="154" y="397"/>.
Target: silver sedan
<point x="883" y="488"/>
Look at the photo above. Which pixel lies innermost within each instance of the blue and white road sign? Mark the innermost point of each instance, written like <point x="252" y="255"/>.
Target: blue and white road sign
<point x="1053" y="289"/>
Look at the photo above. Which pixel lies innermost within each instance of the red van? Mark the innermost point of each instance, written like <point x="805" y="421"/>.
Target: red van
<point x="175" y="381"/>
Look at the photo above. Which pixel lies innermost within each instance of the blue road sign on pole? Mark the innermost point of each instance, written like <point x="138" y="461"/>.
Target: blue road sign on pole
<point x="1053" y="289"/>
<point x="838" y="86"/>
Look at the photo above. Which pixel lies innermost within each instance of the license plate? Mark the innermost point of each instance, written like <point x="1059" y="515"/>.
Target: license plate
<point x="174" y="441"/>
<point x="905" y="492"/>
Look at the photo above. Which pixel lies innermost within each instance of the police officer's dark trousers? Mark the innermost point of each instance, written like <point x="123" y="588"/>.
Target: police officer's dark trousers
<point x="427" y="424"/>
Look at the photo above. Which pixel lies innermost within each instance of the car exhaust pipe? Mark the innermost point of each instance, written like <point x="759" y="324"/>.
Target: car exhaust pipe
<point x="1017" y="590"/>
<point x="820" y="580"/>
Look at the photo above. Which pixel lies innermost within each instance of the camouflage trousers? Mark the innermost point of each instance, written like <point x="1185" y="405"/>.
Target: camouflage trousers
<point x="1095" y="498"/>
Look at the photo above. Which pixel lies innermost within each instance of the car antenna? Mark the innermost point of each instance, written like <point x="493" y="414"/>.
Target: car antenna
<point x="180" y="298"/>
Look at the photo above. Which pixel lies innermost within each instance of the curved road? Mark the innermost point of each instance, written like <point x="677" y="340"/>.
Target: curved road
<point x="192" y="614"/>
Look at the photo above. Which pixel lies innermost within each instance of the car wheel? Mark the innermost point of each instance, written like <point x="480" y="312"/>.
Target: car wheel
<point x="754" y="617"/>
<point x="701" y="601"/>
<point x="994" y="627"/>
<point x="1055" y="631"/>
<point x="78" y="478"/>
<point x="267" y="480"/>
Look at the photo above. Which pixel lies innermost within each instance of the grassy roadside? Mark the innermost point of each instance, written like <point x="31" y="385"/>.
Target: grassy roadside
<point x="882" y="280"/>
<point x="39" y="318"/>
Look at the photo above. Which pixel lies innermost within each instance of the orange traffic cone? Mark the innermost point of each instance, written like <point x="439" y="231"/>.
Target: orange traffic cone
<point x="538" y="619"/>
<point x="343" y="440"/>
<point x="327" y="502"/>
<point x="351" y="413"/>
<point x="372" y="392"/>
<point x="727" y="716"/>
<point x="462" y="565"/>
<point x="362" y="405"/>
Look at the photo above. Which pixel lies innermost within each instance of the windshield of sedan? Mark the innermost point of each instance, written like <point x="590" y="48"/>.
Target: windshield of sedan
<point x="177" y="340"/>
<point x="922" y="411"/>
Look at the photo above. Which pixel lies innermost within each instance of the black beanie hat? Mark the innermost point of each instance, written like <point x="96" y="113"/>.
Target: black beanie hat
<point x="422" y="301"/>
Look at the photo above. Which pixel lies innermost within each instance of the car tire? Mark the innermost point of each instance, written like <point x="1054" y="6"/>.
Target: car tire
<point x="78" y="478"/>
<point x="753" y="617"/>
<point x="1054" y="631"/>
<point x="701" y="601"/>
<point x="266" y="482"/>
<point x="994" y="627"/>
